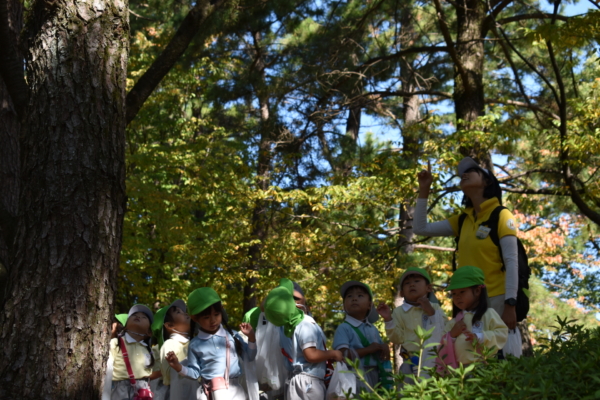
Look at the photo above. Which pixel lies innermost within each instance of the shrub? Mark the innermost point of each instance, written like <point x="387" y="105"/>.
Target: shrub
<point x="567" y="366"/>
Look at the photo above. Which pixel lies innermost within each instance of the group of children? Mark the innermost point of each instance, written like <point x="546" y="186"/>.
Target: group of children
<point x="282" y="350"/>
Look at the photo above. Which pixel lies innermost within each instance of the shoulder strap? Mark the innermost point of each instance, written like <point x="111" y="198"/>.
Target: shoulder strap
<point x="363" y="340"/>
<point x="127" y="363"/>
<point x="461" y="221"/>
<point x="492" y="223"/>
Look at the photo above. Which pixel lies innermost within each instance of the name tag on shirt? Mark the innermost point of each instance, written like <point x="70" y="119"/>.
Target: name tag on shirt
<point x="483" y="232"/>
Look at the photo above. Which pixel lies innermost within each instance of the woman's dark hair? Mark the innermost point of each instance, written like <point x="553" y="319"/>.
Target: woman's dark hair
<point x="481" y="308"/>
<point x="491" y="190"/>
<point x="148" y="342"/>
<point x="218" y="307"/>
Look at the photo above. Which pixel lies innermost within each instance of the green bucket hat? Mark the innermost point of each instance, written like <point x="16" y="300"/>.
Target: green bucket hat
<point x="373" y="315"/>
<point x="465" y="277"/>
<point x="159" y="320"/>
<point x="251" y="317"/>
<point x="200" y="299"/>
<point x="122" y="318"/>
<point x="280" y="310"/>
<point x="414" y="271"/>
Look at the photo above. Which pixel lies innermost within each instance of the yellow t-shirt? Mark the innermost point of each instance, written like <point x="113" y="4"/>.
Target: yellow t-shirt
<point x="405" y="324"/>
<point x="495" y="333"/>
<point x="180" y="350"/>
<point x="139" y="357"/>
<point x="483" y="253"/>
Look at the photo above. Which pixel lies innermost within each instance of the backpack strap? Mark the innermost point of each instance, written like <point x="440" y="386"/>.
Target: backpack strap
<point x="492" y="223"/>
<point x="127" y="363"/>
<point x="461" y="221"/>
<point x="363" y="340"/>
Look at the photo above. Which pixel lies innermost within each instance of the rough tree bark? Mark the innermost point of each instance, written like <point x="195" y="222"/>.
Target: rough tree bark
<point x="260" y="227"/>
<point x="410" y="140"/>
<point x="68" y="234"/>
<point x="9" y="150"/>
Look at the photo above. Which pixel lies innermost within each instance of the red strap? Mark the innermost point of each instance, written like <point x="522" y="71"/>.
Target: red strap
<point x="126" y="359"/>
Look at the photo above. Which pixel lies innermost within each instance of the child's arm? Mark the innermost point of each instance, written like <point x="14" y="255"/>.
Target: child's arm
<point x="155" y="375"/>
<point x="394" y="328"/>
<point x="495" y="331"/>
<point x="249" y="348"/>
<point x="314" y="355"/>
<point x="193" y="368"/>
<point x="382" y="348"/>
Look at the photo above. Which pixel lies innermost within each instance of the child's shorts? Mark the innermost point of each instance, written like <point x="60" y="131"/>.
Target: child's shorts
<point x="121" y="390"/>
<point x="234" y="392"/>
<point x="305" y="387"/>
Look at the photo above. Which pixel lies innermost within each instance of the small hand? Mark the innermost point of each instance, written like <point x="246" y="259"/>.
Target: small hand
<point x="385" y="351"/>
<point x="458" y="328"/>
<point x="247" y="330"/>
<point x="426" y="306"/>
<point x="173" y="361"/>
<point x="509" y="316"/>
<point x="425" y="178"/>
<point x="385" y="312"/>
<point x="470" y="335"/>
<point x="336" y="355"/>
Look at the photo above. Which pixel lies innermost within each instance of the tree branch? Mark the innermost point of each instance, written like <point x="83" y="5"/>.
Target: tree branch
<point x="11" y="67"/>
<point x="450" y="44"/>
<point x="525" y="105"/>
<point x="165" y="61"/>
<point x="525" y="17"/>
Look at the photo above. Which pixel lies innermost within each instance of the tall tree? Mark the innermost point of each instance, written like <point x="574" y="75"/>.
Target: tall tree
<point x="63" y="257"/>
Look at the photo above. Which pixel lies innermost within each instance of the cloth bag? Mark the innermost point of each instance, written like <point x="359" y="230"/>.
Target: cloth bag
<point x="446" y="354"/>
<point x="342" y="381"/>
<point x="270" y="367"/>
<point x="513" y="344"/>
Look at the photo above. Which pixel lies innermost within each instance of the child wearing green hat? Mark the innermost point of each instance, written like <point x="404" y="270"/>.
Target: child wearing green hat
<point x="214" y="353"/>
<point x="474" y="323"/>
<point x="418" y="309"/>
<point x="302" y="343"/>
<point x="173" y="329"/>
<point x="135" y="339"/>
<point x="357" y="337"/>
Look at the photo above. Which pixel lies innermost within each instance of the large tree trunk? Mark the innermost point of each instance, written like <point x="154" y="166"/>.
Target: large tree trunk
<point x="410" y="145"/>
<point x="9" y="155"/>
<point x="66" y="253"/>
<point x="468" y="85"/>
<point x="260" y="227"/>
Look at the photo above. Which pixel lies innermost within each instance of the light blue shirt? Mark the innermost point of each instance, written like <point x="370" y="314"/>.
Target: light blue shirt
<point x="207" y="355"/>
<point x="307" y="334"/>
<point x="346" y="338"/>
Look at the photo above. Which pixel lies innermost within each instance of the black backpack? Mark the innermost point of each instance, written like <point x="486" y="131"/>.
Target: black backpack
<point x="524" y="271"/>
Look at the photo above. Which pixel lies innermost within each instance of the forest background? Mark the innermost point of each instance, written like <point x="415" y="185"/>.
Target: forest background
<point x="269" y="139"/>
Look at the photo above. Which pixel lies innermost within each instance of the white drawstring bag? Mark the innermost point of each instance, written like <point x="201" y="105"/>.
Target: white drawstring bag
<point x="342" y="381"/>
<point x="513" y="344"/>
<point x="270" y="367"/>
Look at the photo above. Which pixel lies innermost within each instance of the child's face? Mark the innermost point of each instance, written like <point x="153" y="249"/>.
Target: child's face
<point x="466" y="298"/>
<point x="180" y="321"/>
<point x="414" y="287"/>
<point x="139" y="323"/>
<point x="357" y="303"/>
<point x="209" y="323"/>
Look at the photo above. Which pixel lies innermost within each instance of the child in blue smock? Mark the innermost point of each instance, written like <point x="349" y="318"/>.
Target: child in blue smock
<point x="302" y="343"/>
<point x="357" y="337"/>
<point x="214" y="354"/>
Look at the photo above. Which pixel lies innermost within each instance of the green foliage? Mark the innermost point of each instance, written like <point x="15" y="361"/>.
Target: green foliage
<point x="565" y="367"/>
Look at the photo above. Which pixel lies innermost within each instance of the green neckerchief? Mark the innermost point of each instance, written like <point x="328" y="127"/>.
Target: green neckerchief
<point x="363" y="341"/>
<point x="384" y="376"/>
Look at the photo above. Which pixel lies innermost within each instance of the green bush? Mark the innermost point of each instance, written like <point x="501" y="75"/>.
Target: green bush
<point x="567" y="366"/>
